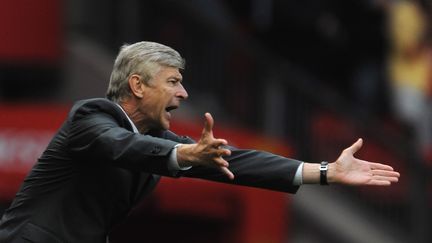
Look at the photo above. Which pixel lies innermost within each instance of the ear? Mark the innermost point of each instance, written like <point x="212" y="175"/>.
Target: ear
<point x="136" y="86"/>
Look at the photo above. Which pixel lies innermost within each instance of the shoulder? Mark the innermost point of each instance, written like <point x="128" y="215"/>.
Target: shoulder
<point x="96" y="106"/>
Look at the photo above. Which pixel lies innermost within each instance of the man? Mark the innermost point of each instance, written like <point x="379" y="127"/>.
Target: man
<point x="111" y="152"/>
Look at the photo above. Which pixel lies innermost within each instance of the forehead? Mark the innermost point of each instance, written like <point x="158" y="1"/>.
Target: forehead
<point x="166" y="72"/>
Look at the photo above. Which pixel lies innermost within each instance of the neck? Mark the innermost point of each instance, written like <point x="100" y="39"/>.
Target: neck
<point x="137" y="117"/>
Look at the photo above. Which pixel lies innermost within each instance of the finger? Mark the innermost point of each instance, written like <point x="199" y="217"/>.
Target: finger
<point x="379" y="183"/>
<point x="225" y="152"/>
<point x="378" y="166"/>
<point x="386" y="178"/>
<point x="227" y="172"/>
<point x="219" y="152"/>
<point x="208" y="124"/>
<point x="356" y="146"/>
<point x="386" y="173"/>
<point x="222" y="152"/>
<point x="219" y="142"/>
<point x="219" y="161"/>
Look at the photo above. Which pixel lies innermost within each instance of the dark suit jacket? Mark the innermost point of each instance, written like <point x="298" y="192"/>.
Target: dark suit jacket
<point x="96" y="169"/>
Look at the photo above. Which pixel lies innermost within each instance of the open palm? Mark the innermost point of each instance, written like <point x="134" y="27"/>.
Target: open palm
<point x="353" y="171"/>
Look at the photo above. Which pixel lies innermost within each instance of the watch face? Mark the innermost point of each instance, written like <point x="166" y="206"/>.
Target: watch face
<point x="324" y="165"/>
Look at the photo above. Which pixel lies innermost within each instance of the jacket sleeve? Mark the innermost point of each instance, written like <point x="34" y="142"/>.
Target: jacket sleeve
<point x="254" y="168"/>
<point x="95" y="136"/>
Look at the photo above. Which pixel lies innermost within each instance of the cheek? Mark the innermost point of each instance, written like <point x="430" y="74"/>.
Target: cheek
<point x="166" y="96"/>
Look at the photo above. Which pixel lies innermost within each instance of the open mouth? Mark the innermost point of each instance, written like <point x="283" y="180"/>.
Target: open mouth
<point x="170" y="108"/>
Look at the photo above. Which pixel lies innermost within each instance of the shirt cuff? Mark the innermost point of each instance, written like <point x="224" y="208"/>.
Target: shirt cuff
<point x="172" y="161"/>
<point x="298" y="177"/>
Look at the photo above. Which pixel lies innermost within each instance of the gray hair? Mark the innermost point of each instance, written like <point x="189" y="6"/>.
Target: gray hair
<point x="142" y="58"/>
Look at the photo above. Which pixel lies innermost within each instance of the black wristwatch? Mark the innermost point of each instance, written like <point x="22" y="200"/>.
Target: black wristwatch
<point x="323" y="173"/>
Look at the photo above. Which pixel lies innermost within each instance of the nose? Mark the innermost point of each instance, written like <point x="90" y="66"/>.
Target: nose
<point x="182" y="93"/>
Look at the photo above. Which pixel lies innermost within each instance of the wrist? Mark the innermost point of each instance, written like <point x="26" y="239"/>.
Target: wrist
<point x="311" y="173"/>
<point x="331" y="172"/>
<point x="183" y="158"/>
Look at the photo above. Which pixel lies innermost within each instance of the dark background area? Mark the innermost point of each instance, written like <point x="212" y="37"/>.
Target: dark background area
<point x="312" y="73"/>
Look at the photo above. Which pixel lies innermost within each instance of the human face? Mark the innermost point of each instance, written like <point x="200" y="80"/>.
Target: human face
<point x="162" y="94"/>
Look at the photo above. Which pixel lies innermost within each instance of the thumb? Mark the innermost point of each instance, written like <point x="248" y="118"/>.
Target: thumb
<point x="356" y="146"/>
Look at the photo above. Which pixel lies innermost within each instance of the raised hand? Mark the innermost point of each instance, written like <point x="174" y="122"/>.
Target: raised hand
<point x="353" y="171"/>
<point x="207" y="152"/>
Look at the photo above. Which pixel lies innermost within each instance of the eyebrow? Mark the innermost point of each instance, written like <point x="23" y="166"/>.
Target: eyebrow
<point x="180" y="79"/>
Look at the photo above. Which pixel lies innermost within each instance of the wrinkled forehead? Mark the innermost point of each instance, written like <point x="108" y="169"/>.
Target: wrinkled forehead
<point x="167" y="72"/>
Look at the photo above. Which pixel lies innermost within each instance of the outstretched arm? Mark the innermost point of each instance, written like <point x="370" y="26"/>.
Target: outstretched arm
<point x="349" y="170"/>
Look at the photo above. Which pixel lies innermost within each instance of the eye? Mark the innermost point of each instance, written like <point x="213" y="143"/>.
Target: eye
<point x="173" y="81"/>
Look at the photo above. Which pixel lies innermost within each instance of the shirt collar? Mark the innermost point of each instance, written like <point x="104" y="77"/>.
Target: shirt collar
<point x="134" y="128"/>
